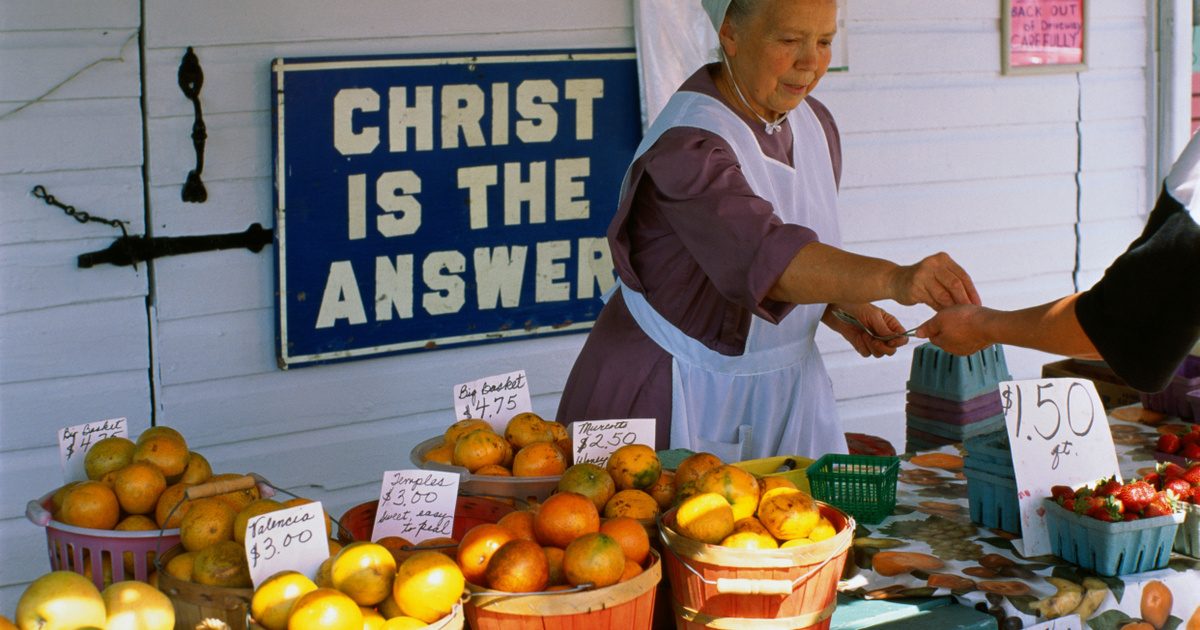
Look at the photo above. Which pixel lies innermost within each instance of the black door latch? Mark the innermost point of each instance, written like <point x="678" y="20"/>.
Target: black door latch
<point x="130" y="250"/>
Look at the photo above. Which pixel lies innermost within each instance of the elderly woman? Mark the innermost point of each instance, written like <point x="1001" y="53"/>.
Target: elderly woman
<point x="727" y="248"/>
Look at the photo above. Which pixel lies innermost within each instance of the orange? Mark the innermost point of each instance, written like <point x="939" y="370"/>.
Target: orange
<point x="663" y="490"/>
<point x="632" y="570"/>
<point x="593" y="558"/>
<point x="138" y="487"/>
<point x="527" y="428"/>
<point x="706" y="517"/>
<point x="539" y="459"/>
<point x="494" y="470"/>
<point x="554" y="560"/>
<point x="463" y="427"/>
<point x="364" y="571"/>
<point x="111" y="453"/>
<point x="630" y="535"/>
<point x="632" y="503"/>
<point x="197" y="470"/>
<point x="634" y="466"/>
<point x="518" y="566"/>
<point x="171" y="499"/>
<point x="207" y="522"/>
<point x="477" y="547"/>
<point x="257" y="507"/>
<point x="325" y="609"/>
<point x="334" y="547"/>
<point x="180" y="566"/>
<point x="520" y="523"/>
<point x="562" y="437"/>
<point x="795" y="542"/>
<point x="589" y="480"/>
<point x="563" y="517"/>
<point x="160" y="430"/>
<point x="168" y="453"/>
<point x="427" y="586"/>
<point x="324" y="578"/>
<point x="739" y="488"/>
<point x="823" y="530"/>
<point x="134" y="605"/>
<point x="372" y="619"/>
<point x="90" y="504"/>
<point x="694" y="466"/>
<point x="222" y="564"/>
<point x="440" y="454"/>
<point x="56" y="499"/>
<point x="136" y="523"/>
<point x="480" y="448"/>
<point x="789" y="515"/>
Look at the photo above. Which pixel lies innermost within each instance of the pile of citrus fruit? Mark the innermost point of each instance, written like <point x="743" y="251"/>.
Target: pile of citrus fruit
<point x="530" y="447"/>
<point x="363" y="585"/>
<point x="721" y="504"/>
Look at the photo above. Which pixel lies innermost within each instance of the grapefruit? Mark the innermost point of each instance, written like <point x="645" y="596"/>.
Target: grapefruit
<point x="60" y="600"/>
<point x="272" y="602"/>
<point x="111" y="453"/>
<point x="134" y="605"/>
<point x="428" y="585"/>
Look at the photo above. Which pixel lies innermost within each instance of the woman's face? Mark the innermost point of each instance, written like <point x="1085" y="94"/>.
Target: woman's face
<point x="781" y="51"/>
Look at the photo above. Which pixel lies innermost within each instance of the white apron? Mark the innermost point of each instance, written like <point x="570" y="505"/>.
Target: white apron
<point x="776" y="398"/>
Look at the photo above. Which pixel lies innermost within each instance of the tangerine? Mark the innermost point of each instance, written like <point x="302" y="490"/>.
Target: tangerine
<point x="111" y="453"/>
<point x="207" y="522"/>
<point x="591" y="481"/>
<point x="480" y="448"/>
<point x="90" y="504"/>
<point x="632" y="570"/>
<point x="593" y="558"/>
<point x="325" y="609"/>
<point x="527" y="428"/>
<point x="740" y="488"/>
<point x="257" y="507"/>
<point x="520" y="523"/>
<point x="706" y="517"/>
<point x="440" y="453"/>
<point x="168" y="453"/>
<point x="518" y="566"/>
<point x="634" y="467"/>
<point x="477" y="547"/>
<point x="180" y="566"/>
<point x="428" y="585"/>
<point x="563" y="517"/>
<point x="539" y="459"/>
<point x="273" y="600"/>
<point x="630" y="535"/>
<point x="222" y="564"/>
<point x="635" y="504"/>
<point x="136" y="523"/>
<point x="197" y="470"/>
<point x="554" y="560"/>
<point x="138" y="487"/>
<point x="663" y="490"/>
<point x="56" y="499"/>
<point x="494" y="470"/>
<point x="171" y="506"/>
<point x="158" y="430"/>
<point x="463" y="427"/>
<point x="397" y="546"/>
<point x="693" y="467"/>
<point x="364" y="571"/>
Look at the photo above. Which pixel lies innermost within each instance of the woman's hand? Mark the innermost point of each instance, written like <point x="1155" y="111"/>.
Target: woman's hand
<point x="878" y="320"/>
<point x="936" y="281"/>
<point x="957" y="329"/>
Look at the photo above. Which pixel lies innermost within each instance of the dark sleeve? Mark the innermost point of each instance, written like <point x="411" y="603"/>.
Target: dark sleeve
<point x="1143" y="316"/>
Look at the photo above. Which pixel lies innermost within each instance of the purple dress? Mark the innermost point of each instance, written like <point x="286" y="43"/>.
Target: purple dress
<point x="703" y="248"/>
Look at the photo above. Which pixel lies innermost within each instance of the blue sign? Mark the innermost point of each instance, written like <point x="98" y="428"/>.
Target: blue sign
<point x="425" y="202"/>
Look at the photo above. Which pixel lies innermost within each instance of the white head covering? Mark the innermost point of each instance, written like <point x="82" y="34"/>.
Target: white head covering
<point x="716" y="11"/>
<point x="1183" y="182"/>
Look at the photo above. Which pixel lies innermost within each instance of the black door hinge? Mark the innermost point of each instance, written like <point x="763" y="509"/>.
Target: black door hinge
<point x="130" y="250"/>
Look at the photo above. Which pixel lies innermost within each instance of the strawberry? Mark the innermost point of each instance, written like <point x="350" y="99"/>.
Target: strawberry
<point x="1169" y="443"/>
<point x="1190" y="437"/>
<point x="1153" y="479"/>
<point x="1130" y="516"/>
<point x="1107" y="509"/>
<point x="1107" y="487"/>
<point x="1069" y="504"/>
<point x="1191" y="450"/>
<point x="1161" y="505"/>
<point x="1135" y="495"/>
<point x="1179" y="486"/>
<point x="1192" y="475"/>
<point x="1170" y="470"/>
<point x="1062" y="493"/>
<point x="1195" y="498"/>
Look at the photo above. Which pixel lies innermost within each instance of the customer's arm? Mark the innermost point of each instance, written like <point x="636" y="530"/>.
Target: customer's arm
<point x="1051" y="327"/>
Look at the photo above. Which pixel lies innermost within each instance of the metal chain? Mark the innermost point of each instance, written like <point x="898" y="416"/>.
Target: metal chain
<point x="40" y="192"/>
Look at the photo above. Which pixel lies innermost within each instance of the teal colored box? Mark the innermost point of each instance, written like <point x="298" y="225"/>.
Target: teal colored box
<point x="992" y="447"/>
<point x="1111" y="548"/>
<point x="956" y="432"/>
<point x="993" y="500"/>
<point x="936" y="372"/>
<point x="1187" y="539"/>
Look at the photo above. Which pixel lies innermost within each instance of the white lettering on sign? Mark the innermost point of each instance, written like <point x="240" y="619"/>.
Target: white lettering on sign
<point x="498" y="273"/>
<point x="494" y="398"/>
<point x="1058" y="432"/>
<point x="416" y="505"/>
<point x="75" y="441"/>
<point x="357" y="126"/>
<point x="291" y="539"/>
<point x="593" y="441"/>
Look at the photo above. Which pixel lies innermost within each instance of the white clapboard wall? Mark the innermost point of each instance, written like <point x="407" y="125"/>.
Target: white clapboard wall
<point x="941" y="154"/>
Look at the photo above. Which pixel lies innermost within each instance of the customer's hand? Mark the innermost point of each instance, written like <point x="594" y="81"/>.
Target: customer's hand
<point x="936" y="281"/>
<point x="957" y="329"/>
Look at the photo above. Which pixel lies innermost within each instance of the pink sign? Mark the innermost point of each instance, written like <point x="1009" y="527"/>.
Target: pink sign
<point x="1045" y="32"/>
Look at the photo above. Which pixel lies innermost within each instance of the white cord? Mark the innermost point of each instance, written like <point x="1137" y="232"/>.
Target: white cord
<point x="768" y="126"/>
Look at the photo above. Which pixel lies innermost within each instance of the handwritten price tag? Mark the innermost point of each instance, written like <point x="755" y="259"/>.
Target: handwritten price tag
<point x="74" y="442"/>
<point x="495" y="398"/>
<point x="416" y="505"/>
<point x="292" y="539"/>
<point x="594" y="441"/>
<point x="1059" y="434"/>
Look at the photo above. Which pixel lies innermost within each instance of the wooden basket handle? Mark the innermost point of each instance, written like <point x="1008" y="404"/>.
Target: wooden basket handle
<point x="213" y="488"/>
<point x="746" y="586"/>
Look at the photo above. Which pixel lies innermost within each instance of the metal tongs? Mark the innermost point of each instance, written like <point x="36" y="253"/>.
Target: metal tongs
<point x="852" y="320"/>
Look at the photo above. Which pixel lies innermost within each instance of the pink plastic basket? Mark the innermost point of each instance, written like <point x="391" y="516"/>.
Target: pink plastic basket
<point x="125" y="552"/>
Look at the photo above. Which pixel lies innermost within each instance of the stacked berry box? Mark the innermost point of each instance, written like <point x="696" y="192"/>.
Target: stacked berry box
<point x="991" y="482"/>
<point x="953" y="398"/>
<point x="1174" y="399"/>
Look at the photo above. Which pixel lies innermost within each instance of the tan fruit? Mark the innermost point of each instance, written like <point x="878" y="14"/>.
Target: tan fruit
<point x="539" y="459"/>
<point x="111" y="453"/>
<point x="428" y="585"/>
<point x="197" y="470"/>
<point x="591" y="481"/>
<point x="463" y="427"/>
<point x="390" y="609"/>
<point x="593" y="558"/>
<point x="171" y="506"/>
<point x="630" y="535"/>
<point x="739" y="488"/>
<point x="138" y="487"/>
<point x="789" y="515"/>
<point x="563" y="517"/>
<point x="440" y="454"/>
<point x="134" y="605"/>
<point x="257" y="507"/>
<point x="207" y="522"/>
<point x="518" y="566"/>
<point x="7" y="624"/>
<point x="272" y="602"/>
<point x="663" y="490"/>
<point x="160" y="430"/>
<point x="324" y="576"/>
<point x="494" y="470"/>
<point x="527" y="428"/>
<point x="168" y="453"/>
<point x="90" y="504"/>
<point x="136" y="523"/>
<point x="60" y="600"/>
<point x="693" y="467"/>
<point x="480" y="448"/>
<point x="554" y="560"/>
<point x="706" y="517"/>
<point x="634" y="504"/>
<point x="56" y="499"/>
<point x="364" y="571"/>
<point x="222" y="564"/>
<point x="180" y="566"/>
<point x="325" y="609"/>
<point x="634" y="467"/>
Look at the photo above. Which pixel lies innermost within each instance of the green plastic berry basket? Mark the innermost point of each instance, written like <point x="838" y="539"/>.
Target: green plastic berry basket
<point x="863" y="485"/>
